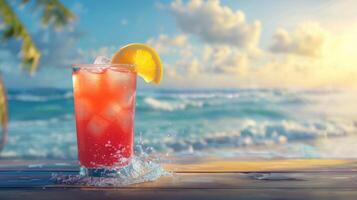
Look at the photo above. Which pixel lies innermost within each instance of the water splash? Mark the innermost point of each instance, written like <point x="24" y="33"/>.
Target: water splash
<point x="142" y="168"/>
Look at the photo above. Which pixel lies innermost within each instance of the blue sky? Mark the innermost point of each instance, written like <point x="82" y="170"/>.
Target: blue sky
<point x="225" y="43"/>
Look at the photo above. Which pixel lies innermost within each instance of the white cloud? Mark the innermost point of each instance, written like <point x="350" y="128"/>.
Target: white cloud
<point x="183" y="60"/>
<point x="185" y="68"/>
<point x="302" y="72"/>
<point x="211" y="65"/>
<point x="165" y="44"/>
<point x="308" y="39"/>
<point x="224" y="59"/>
<point x="216" y="24"/>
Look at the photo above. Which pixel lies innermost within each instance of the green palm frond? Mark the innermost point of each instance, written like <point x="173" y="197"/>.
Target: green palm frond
<point x="3" y="115"/>
<point x="55" y="13"/>
<point x="14" y="28"/>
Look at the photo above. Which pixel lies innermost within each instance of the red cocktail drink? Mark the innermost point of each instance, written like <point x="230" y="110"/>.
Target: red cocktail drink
<point x="104" y="98"/>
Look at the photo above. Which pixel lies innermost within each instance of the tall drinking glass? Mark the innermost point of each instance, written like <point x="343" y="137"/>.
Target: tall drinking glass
<point x="104" y="98"/>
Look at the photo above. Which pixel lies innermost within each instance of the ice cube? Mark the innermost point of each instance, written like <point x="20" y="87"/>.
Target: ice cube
<point x="118" y="78"/>
<point x="111" y="111"/>
<point x="125" y="120"/>
<point x="102" y="60"/>
<point x="125" y="83"/>
<point x="97" y="125"/>
<point x="89" y="82"/>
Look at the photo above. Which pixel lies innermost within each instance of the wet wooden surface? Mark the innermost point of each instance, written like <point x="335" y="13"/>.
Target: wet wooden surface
<point x="193" y="179"/>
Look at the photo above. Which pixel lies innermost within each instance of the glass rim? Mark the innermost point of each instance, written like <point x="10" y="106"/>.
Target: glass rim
<point x="116" y="67"/>
<point x="91" y="65"/>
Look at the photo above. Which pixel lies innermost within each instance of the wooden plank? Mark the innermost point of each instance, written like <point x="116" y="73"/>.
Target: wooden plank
<point x="285" y="165"/>
<point x="178" y="194"/>
<point x="322" y="180"/>
<point x="202" y="178"/>
<point x="204" y="165"/>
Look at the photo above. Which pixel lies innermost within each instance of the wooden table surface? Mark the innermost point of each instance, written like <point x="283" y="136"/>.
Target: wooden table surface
<point x="193" y="178"/>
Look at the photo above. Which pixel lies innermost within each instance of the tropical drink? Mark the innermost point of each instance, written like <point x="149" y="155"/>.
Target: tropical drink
<point x="104" y="99"/>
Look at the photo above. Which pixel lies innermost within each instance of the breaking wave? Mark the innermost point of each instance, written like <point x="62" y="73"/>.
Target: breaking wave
<point x="42" y="123"/>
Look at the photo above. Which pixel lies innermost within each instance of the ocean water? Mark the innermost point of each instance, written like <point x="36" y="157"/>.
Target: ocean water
<point x="241" y="122"/>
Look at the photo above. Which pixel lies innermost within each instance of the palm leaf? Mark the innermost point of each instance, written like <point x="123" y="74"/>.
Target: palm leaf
<point x="3" y="114"/>
<point x="54" y="13"/>
<point x="14" y="28"/>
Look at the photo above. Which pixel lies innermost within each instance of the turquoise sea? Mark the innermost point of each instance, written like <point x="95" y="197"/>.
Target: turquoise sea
<point x="240" y="122"/>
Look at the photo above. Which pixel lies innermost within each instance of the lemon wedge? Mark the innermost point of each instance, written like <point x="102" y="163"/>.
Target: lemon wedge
<point x="146" y="61"/>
